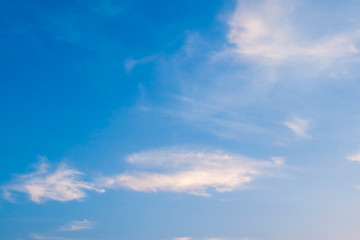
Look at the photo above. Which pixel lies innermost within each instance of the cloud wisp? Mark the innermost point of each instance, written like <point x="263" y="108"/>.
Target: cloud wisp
<point x="78" y="225"/>
<point x="61" y="184"/>
<point x="298" y="126"/>
<point x="131" y="63"/>
<point x="187" y="171"/>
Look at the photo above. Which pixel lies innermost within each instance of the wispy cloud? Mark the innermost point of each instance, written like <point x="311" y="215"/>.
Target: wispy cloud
<point x="131" y="63"/>
<point x="78" y="225"/>
<point x="265" y="31"/>
<point x="142" y="102"/>
<point x="299" y="126"/>
<point x="189" y="171"/>
<point x="61" y="184"/>
<point x="219" y="115"/>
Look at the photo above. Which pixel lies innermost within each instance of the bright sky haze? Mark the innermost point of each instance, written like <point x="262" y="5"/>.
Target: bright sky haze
<point x="180" y="120"/>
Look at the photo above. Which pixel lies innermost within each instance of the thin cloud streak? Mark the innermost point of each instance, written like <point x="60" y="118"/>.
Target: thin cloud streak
<point x="131" y="63"/>
<point x="299" y="126"/>
<point x="221" y="120"/>
<point x="78" y="225"/>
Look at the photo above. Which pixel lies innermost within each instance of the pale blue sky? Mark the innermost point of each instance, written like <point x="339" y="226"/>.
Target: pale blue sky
<point x="180" y="120"/>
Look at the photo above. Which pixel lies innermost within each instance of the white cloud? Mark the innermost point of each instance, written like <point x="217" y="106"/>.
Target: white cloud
<point x="299" y="126"/>
<point x="78" y="225"/>
<point x="62" y="184"/>
<point x="264" y="31"/>
<point x="188" y="171"/>
<point x="182" y="238"/>
<point x="355" y="158"/>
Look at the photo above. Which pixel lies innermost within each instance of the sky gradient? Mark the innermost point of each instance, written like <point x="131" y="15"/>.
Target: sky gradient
<point x="180" y="120"/>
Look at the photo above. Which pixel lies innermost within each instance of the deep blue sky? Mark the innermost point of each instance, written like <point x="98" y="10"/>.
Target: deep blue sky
<point x="62" y="67"/>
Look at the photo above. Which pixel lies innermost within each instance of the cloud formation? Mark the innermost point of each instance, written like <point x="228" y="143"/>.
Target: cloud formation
<point x="189" y="171"/>
<point x="61" y="184"/>
<point x="78" y="225"/>
<point x="264" y="31"/>
<point x="223" y="90"/>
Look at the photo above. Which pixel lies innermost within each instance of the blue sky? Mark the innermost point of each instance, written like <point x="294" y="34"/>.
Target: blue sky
<point x="179" y="120"/>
